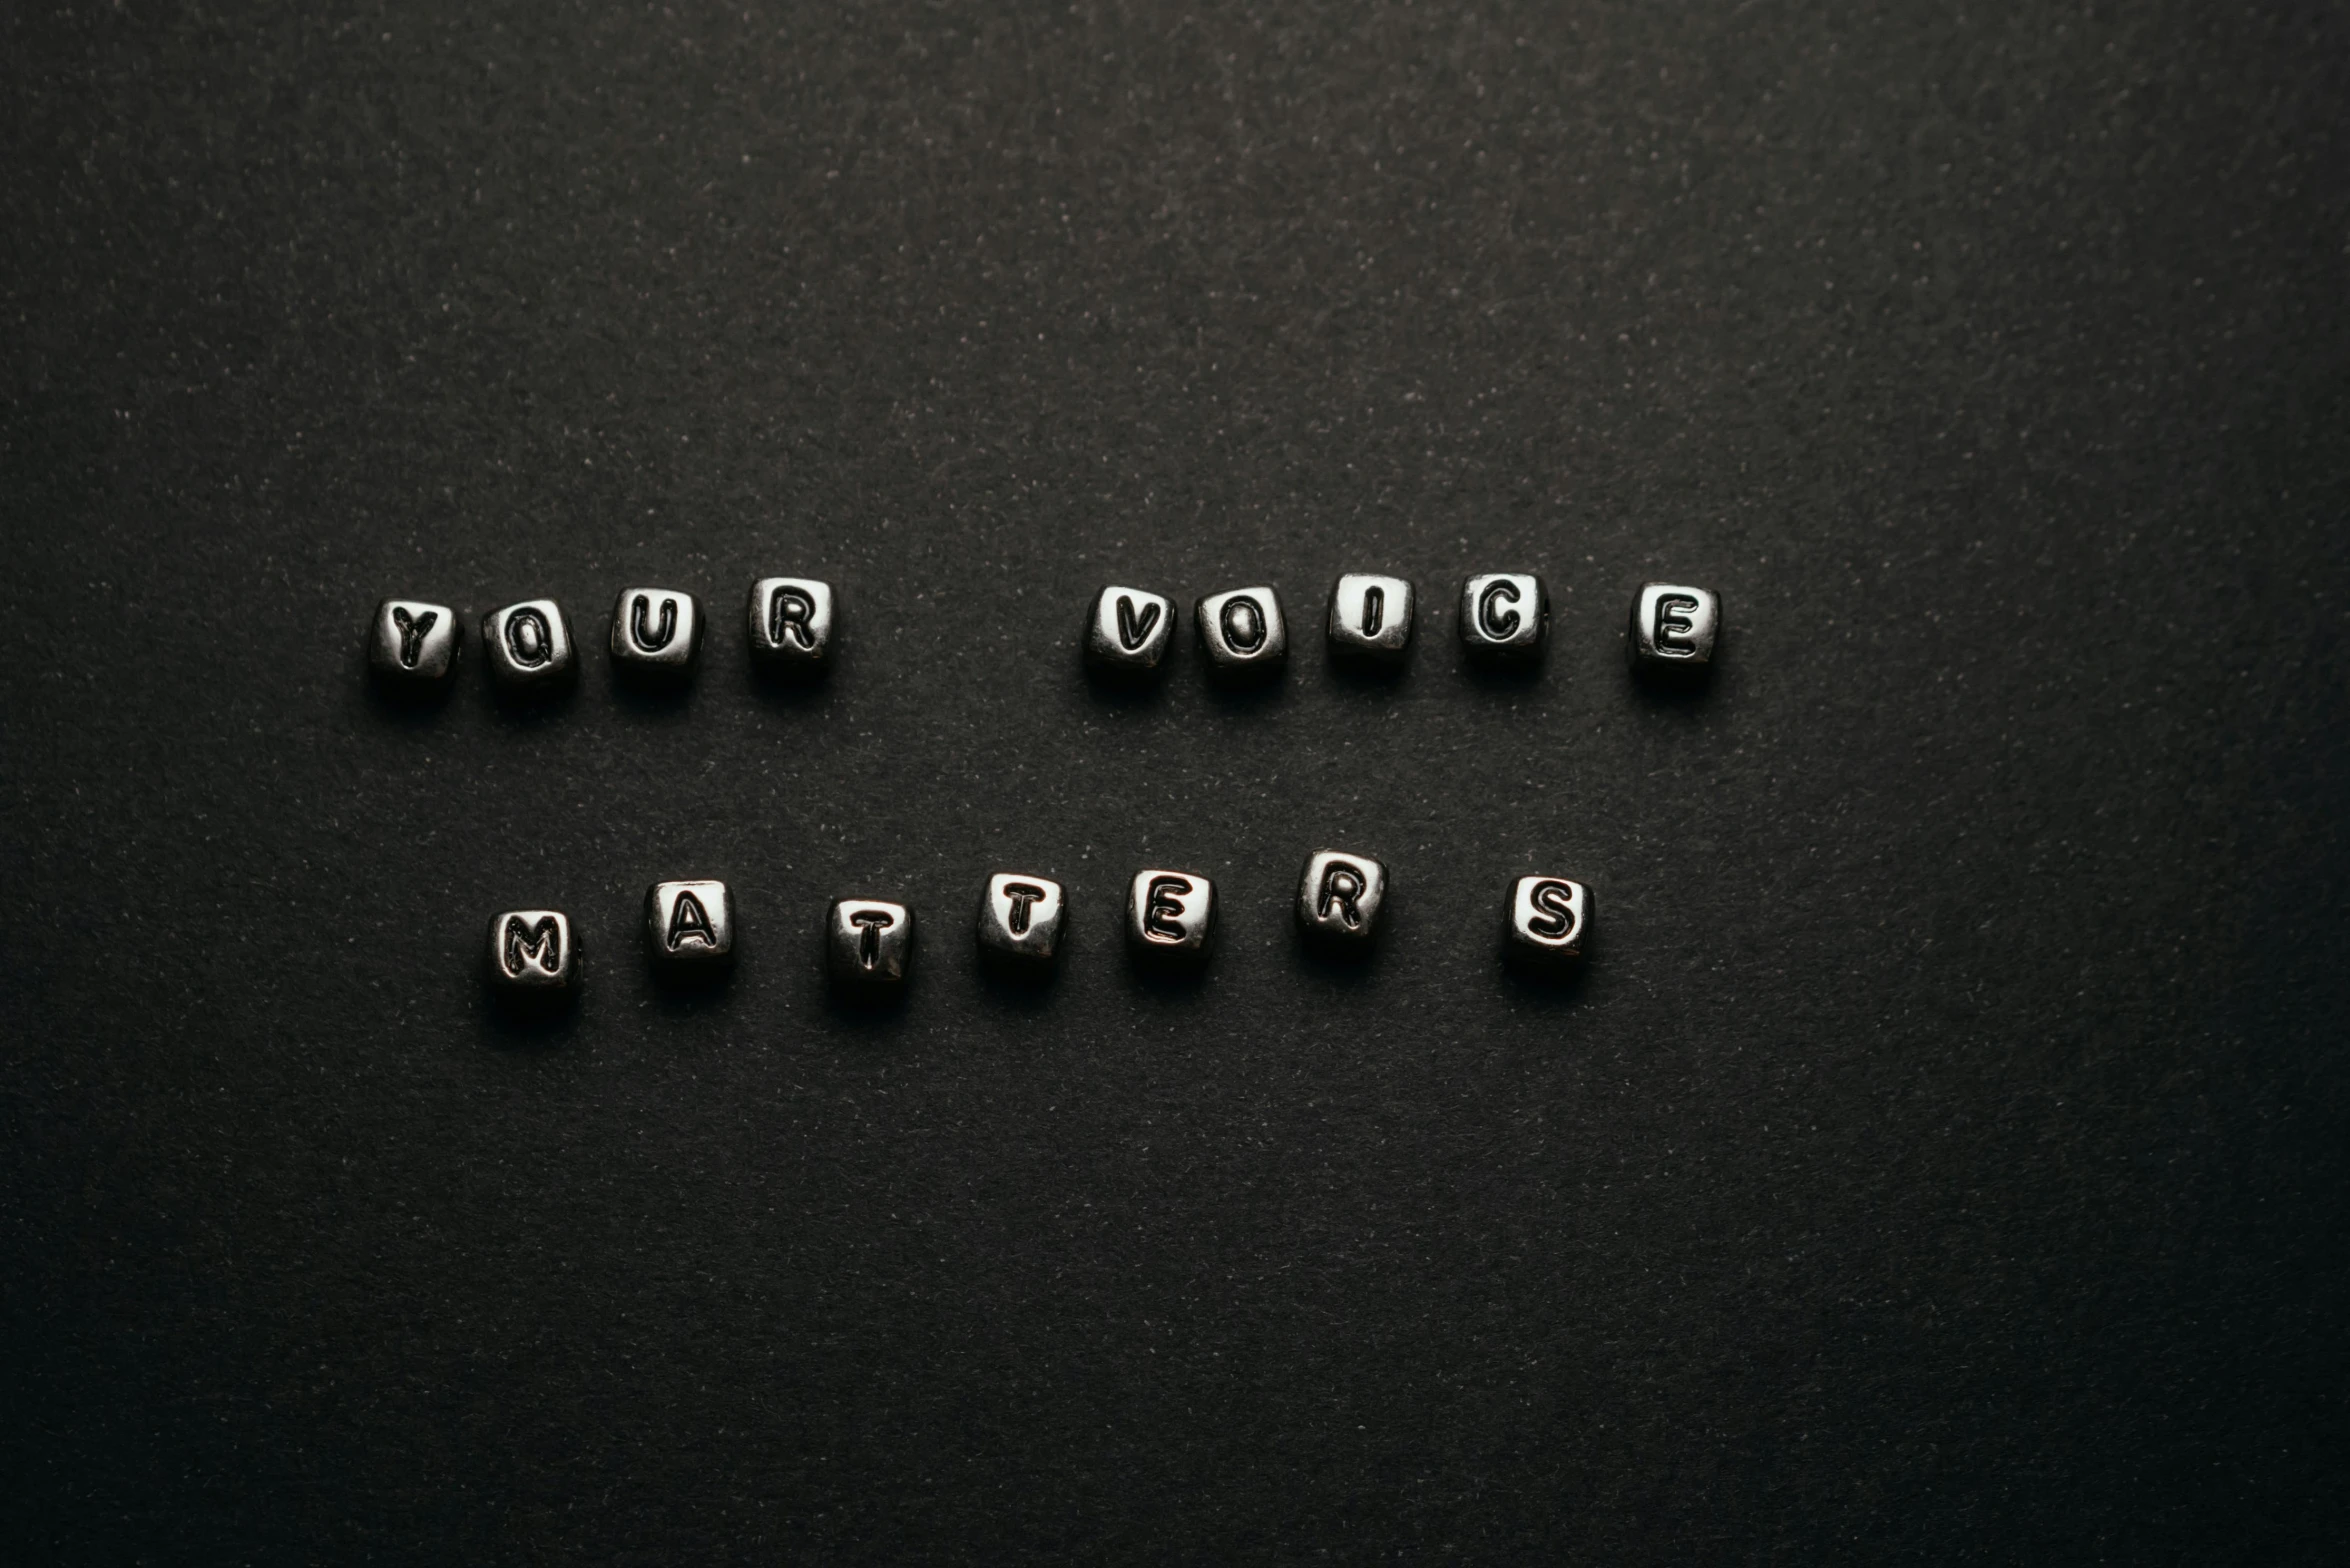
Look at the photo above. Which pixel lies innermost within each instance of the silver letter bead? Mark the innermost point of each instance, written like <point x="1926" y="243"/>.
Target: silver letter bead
<point x="1170" y="915"/>
<point x="1020" y="922"/>
<point x="534" y="961"/>
<point x="412" y="646"/>
<point x="1338" y="901"/>
<point x="868" y="944"/>
<point x="655" y="634"/>
<point x="689" y="929"/>
<point x="1371" y="621"/>
<point x="1244" y="634"/>
<point x="791" y="626"/>
<point x="1129" y="632"/>
<point x="528" y="649"/>
<point x="1548" y="918"/>
<point x="1673" y="628"/>
<point x="1503" y="615"/>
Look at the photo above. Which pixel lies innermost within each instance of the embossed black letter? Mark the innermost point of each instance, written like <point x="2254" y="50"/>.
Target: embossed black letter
<point x="1558" y="914"/>
<point x="528" y="639"/>
<point x="1244" y="625"/>
<point x="540" y="944"/>
<point x="1022" y="894"/>
<point x="1164" y="908"/>
<point x="1500" y="626"/>
<point x="688" y="918"/>
<point x="870" y="923"/>
<point x="1341" y="885"/>
<point x="1133" y="630"/>
<point x="655" y="642"/>
<point x="789" y="610"/>
<point x="412" y="633"/>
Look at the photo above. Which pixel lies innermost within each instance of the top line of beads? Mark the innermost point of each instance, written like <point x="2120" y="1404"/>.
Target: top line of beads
<point x="793" y="625"/>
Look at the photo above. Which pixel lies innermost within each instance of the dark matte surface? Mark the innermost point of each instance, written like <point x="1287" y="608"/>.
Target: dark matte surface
<point x="1944" y="1158"/>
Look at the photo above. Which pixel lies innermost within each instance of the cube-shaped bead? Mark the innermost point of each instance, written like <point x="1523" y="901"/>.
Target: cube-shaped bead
<point x="1503" y="617"/>
<point x="1338" y="901"/>
<point x="1129" y="631"/>
<point x="1371" y="621"/>
<point x="689" y="929"/>
<point x="791" y="626"/>
<point x="1244" y="634"/>
<point x="1546" y="923"/>
<point x="1673" y="628"/>
<point x="1020" y="921"/>
<point x="534" y="958"/>
<point x="527" y="647"/>
<point x="1170" y="916"/>
<point x="655" y="634"/>
<point x="868" y="944"/>
<point x="412" y="646"/>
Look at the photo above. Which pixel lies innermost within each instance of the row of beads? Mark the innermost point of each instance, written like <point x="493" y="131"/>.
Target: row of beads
<point x="869" y="942"/>
<point x="412" y="645"/>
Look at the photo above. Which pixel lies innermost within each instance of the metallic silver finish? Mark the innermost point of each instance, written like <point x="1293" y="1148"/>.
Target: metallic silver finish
<point x="1673" y="628"/>
<point x="1244" y="634"/>
<point x="868" y="943"/>
<point x="1503" y="618"/>
<point x="655" y="633"/>
<point x="1020" y="921"/>
<point x="527" y="647"/>
<point x="689" y="929"/>
<point x="1371" y="621"/>
<point x="1129" y="631"/>
<point x="1338" y="901"/>
<point x="791" y="626"/>
<point x="533" y="956"/>
<point x="1170" y="915"/>
<point x="1546" y="923"/>
<point x="412" y="646"/>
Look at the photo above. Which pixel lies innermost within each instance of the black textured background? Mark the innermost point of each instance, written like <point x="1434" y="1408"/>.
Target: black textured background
<point x="1944" y="1158"/>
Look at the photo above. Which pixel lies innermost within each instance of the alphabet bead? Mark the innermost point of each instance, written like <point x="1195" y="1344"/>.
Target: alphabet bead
<point x="1371" y="621"/>
<point x="1546" y="923"/>
<point x="655" y="634"/>
<point x="1244" y="635"/>
<point x="869" y="943"/>
<point x="1503" y="617"/>
<point x="791" y="626"/>
<point x="1020" y="921"/>
<point x="412" y="646"/>
<point x="689" y="929"/>
<point x="1338" y="901"/>
<point x="1170" y="916"/>
<point x="1673" y="628"/>
<point x="533" y="958"/>
<point x="527" y="647"/>
<point x="1129" y="631"/>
